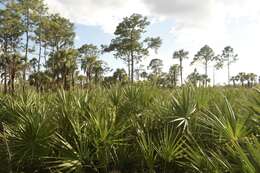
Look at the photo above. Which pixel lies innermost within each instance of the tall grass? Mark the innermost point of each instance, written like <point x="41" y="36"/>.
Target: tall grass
<point x="131" y="129"/>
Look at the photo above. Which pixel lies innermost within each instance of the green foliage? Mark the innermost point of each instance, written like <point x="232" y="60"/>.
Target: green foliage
<point x="134" y="128"/>
<point x="128" y="44"/>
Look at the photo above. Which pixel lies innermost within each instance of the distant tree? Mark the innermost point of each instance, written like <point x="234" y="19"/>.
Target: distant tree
<point x="156" y="66"/>
<point x="194" y="77"/>
<point x="144" y="75"/>
<point x="242" y="77"/>
<point x="41" y="80"/>
<point x="60" y="33"/>
<point x="63" y="65"/>
<point x="229" y="57"/>
<point x="120" y="75"/>
<point x="181" y="55"/>
<point x="128" y="44"/>
<point x="252" y="78"/>
<point x="204" y="79"/>
<point x="218" y="64"/>
<point x="234" y="79"/>
<point x="34" y="63"/>
<point x="14" y="66"/>
<point x="81" y="79"/>
<point x="11" y="31"/>
<point x="138" y="71"/>
<point x="173" y="74"/>
<point x="205" y="55"/>
<point x="99" y="68"/>
<point x="89" y="55"/>
<point x="41" y="20"/>
<point x="29" y="10"/>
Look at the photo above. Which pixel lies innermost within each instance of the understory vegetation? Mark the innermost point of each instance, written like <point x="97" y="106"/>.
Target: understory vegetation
<point x="131" y="129"/>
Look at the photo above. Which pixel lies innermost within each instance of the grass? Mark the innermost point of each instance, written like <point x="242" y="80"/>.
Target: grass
<point x="133" y="129"/>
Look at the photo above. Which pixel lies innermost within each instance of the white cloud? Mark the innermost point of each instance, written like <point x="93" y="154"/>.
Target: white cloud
<point x="102" y="13"/>
<point x="197" y="22"/>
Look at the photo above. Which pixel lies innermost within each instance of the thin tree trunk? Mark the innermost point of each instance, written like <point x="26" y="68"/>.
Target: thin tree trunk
<point x="132" y="67"/>
<point x="26" y="48"/>
<point x="73" y="80"/>
<point x="5" y="68"/>
<point x="12" y="83"/>
<point x="39" y="56"/>
<point x="5" y="79"/>
<point x="206" y="74"/>
<point x="213" y="82"/>
<point x="39" y="65"/>
<point x="12" y="77"/>
<point x="45" y="56"/>
<point x="228" y="71"/>
<point x="181" y="68"/>
<point x="129" y="68"/>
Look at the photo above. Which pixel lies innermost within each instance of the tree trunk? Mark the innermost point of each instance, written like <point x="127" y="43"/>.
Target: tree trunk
<point x="45" y="56"/>
<point x="132" y="67"/>
<point x="40" y="54"/>
<point x="181" y="68"/>
<point x="129" y="68"/>
<point x="5" y="79"/>
<point x="214" y="81"/>
<point x="12" y="75"/>
<point x="248" y="83"/>
<point x="72" y="80"/>
<point x="65" y="82"/>
<point x="206" y="73"/>
<point x="228" y="71"/>
<point x="26" y="48"/>
<point x="39" y="64"/>
<point x="5" y="68"/>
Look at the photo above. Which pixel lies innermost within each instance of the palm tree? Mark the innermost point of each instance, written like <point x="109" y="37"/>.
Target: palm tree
<point x="100" y="67"/>
<point x="89" y="55"/>
<point x="62" y="64"/>
<point x="81" y="79"/>
<point x="234" y="79"/>
<point x="217" y="66"/>
<point x="181" y="55"/>
<point x="34" y="64"/>
<point x="173" y="74"/>
<point x="194" y="77"/>
<point x="252" y="78"/>
<point x="242" y="77"/>
<point x="87" y="65"/>
<point x="120" y="74"/>
<point x="205" y="80"/>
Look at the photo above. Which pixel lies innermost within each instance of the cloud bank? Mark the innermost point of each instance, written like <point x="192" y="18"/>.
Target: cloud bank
<point x="196" y="22"/>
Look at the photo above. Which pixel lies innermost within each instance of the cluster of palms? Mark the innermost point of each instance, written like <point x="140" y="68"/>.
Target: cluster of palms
<point x="249" y="78"/>
<point x="205" y="55"/>
<point x="131" y="129"/>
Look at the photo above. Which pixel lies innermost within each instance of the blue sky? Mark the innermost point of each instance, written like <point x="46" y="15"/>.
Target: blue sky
<point x="186" y="24"/>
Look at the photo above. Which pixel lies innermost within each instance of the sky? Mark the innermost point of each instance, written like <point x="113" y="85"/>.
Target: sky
<point x="181" y="24"/>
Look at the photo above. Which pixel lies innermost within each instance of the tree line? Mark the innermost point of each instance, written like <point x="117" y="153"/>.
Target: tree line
<point x="37" y="49"/>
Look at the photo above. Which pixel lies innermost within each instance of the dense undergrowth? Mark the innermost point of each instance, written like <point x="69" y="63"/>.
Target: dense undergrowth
<point x="131" y="129"/>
